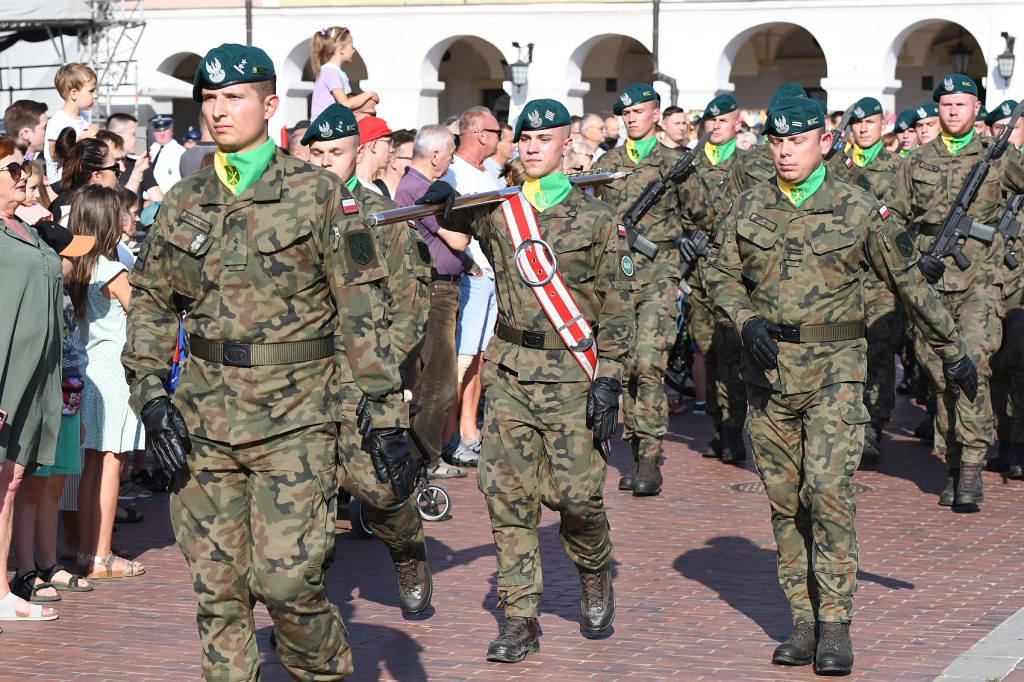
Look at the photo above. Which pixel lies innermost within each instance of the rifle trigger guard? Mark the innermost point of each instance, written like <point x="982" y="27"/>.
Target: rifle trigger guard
<point x="523" y="274"/>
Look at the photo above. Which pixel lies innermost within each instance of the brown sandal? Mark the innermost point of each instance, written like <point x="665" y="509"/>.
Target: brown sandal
<point x="130" y="571"/>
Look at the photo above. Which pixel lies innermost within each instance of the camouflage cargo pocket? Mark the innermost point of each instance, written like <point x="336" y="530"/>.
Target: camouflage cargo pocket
<point x="186" y="276"/>
<point x="288" y="254"/>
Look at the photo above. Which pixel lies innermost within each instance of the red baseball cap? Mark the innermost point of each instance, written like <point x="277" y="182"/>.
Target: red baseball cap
<point x="372" y="128"/>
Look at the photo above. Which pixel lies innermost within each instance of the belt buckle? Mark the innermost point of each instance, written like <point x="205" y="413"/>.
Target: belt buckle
<point x="789" y="333"/>
<point x="237" y="354"/>
<point x="533" y="340"/>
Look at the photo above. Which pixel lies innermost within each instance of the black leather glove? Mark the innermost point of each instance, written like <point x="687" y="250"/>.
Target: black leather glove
<point x="687" y="249"/>
<point x="439" y="192"/>
<point x="603" y="407"/>
<point x="961" y="375"/>
<point x="389" y="453"/>
<point x="757" y="337"/>
<point x="931" y="267"/>
<point x="166" y="435"/>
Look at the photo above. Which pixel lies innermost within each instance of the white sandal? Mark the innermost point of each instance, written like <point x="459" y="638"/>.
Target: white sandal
<point x="35" y="611"/>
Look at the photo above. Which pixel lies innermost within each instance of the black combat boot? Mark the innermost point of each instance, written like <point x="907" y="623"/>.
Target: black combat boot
<point x="835" y="650"/>
<point x="969" y="489"/>
<point x="1001" y="462"/>
<point x="648" y="478"/>
<point x="713" y="450"/>
<point x="872" y="452"/>
<point x="597" y="600"/>
<point x="926" y="429"/>
<point x="626" y="482"/>
<point x="799" y="648"/>
<point x="1016" y="468"/>
<point x="415" y="585"/>
<point x="952" y="483"/>
<point x="733" y="449"/>
<point x="518" y="638"/>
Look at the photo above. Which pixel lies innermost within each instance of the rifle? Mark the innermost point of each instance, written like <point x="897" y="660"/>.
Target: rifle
<point x="1010" y="228"/>
<point x="700" y="239"/>
<point x="957" y="226"/>
<point x="841" y="133"/>
<point x="398" y="215"/>
<point x="653" y="192"/>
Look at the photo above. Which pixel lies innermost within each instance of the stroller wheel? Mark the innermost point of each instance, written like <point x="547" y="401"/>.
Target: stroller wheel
<point x="434" y="502"/>
<point x="355" y="515"/>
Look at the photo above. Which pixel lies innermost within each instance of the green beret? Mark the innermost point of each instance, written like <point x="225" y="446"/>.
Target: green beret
<point x="723" y="104"/>
<point x="333" y="123"/>
<point x="1004" y="110"/>
<point x="821" y="104"/>
<point x="906" y="120"/>
<point x="982" y="113"/>
<point x="231" y="64"/>
<point x="954" y="83"/>
<point x="927" y="110"/>
<point x="541" y="114"/>
<point x="865" y="106"/>
<point x="787" y="90"/>
<point x="635" y="94"/>
<point x="792" y="116"/>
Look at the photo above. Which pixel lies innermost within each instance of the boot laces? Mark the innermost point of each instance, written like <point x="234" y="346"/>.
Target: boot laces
<point x="593" y="595"/>
<point x="407" y="575"/>
<point x="800" y="631"/>
<point x="831" y="635"/>
<point x="514" y="628"/>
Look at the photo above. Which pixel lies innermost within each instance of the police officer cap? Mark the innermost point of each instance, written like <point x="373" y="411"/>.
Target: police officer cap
<point x="333" y="123"/>
<point x="1004" y="110"/>
<point x="161" y="122"/>
<point x="954" y="83"/>
<point x="865" y="107"/>
<point x="635" y="94"/>
<point x="792" y="116"/>
<point x="231" y="64"/>
<point x="541" y="114"/>
<point x="927" y="110"/>
<point x="787" y="90"/>
<point x="723" y="104"/>
<point x="906" y="120"/>
<point x="192" y="134"/>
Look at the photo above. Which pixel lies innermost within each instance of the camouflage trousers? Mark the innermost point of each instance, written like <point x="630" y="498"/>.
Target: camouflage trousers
<point x="645" y="408"/>
<point x="720" y="342"/>
<point x="255" y="523"/>
<point x="806" y="447"/>
<point x="537" y="450"/>
<point x="886" y="326"/>
<point x="1008" y="374"/>
<point x="963" y="430"/>
<point x="399" y="526"/>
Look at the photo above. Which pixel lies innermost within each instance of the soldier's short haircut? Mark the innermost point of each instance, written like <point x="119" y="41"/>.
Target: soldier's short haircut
<point x="470" y="120"/>
<point x="265" y="88"/>
<point x="119" y="122"/>
<point x="430" y="139"/>
<point x="24" y="113"/>
<point x="671" y="111"/>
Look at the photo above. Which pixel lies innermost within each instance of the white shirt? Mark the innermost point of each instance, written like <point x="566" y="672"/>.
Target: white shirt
<point x="494" y="169"/>
<point x="370" y="186"/>
<point x="59" y="122"/>
<point x="167" y="167"/>
<point x="469" y="180"/>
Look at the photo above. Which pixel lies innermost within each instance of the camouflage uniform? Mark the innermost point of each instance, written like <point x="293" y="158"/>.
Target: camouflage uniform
<point x="645" y="408"/>
<point x="254" y="512"/>
<point x="926" y="184"/>
<point x="806" y="266"/>
<point x="536" y="447"/>
<point x="1008" y="364"/>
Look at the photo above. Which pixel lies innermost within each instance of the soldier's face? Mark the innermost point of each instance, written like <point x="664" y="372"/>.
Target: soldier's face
<point x="237" y="116"/>
<point x="907" y="138"/>
<point x="797" y="156"/>
<point x="957" y="113"/>
<point x="542" y="151"/>
<point x="1017" y="136"/>
<point x="927" y="129"/>
<point x="723" y="128"/>
<point x="867" y="131"/>
<point x="676" y="127"/>
<point x="640" y="119"/>
<point x="337" y="156"/>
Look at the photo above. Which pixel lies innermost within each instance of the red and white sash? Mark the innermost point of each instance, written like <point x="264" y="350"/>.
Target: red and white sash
<point x="534" y="267"/>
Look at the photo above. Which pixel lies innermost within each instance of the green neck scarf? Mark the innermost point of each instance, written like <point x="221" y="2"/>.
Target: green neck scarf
<point x="547" y="191"/>
<point x="864" y="157"/>
<point x="637" y="150"/>
<point x="238" y="171"/>
<point x="906" y="152"/>
<point x="717" y="153"/>
<point x="352" y="182"/>
<point x="955" y="144"/>
<point x="800" y="192"/>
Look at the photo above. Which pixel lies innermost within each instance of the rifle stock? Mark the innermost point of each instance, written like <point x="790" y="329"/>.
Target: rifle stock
<point x="1010" y="229"/>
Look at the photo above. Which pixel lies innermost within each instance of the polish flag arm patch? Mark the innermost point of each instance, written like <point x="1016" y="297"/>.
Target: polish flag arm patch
<point x="348" y="206"/>
<point x="884" y="212"/>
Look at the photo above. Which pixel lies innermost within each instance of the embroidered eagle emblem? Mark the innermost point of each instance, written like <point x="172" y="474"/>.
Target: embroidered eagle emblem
<point x="534" y="118"/>
<point x="781" y="125"/>
<point x="626" y="99"/>
<point x="858" y="112"/>
<point x="1006" y="109"/>
<point x="922" y="113"/>
<point x="714" y="110"/>
<point x="324" y="128"/>
<point x="948" y="84"/>
<point x="215" y="72"/>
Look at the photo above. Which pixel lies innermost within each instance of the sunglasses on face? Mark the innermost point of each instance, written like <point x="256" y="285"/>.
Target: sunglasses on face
<point x="488" y="130"/>
<point x="16" y="169"/>
<point x="114" y="168"/>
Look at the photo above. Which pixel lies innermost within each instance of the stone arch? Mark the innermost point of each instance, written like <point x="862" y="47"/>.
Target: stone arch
<point x="918" y="56"/>
<point x="181" y="65"/>
<point x="759" y="59"/>
<point x="460" y="72"/>
<point x="606" y="64"/>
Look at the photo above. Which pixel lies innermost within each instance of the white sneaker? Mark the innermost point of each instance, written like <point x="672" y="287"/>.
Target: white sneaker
<point x="467" y="454"/>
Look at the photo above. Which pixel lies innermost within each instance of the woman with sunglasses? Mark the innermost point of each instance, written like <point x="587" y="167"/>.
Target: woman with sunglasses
<point x="88" y="161"/>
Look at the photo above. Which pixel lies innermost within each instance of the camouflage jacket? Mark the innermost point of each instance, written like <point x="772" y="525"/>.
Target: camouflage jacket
<point x="662" y="223"/>
<point x="751" y="167"/>
<point x="807" y="266"/>
<point x="596" y="266"/>
<point x="1013" y="279"/>
<point x="409" y="274"/>
<point x="281" y="262"/>
<point x="874" y="178"/>
<point x="926" y="185"/>
<point x="705" y="198"/>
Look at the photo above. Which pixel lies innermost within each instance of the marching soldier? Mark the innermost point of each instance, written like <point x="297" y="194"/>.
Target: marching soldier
<point x="333" y="141"/>
<point x="788" y="267"/>
<point x="927" y="181"/>
<point x="645" y="408"/>
<point x="268" y="259"/>
<point x="552" y="374"/>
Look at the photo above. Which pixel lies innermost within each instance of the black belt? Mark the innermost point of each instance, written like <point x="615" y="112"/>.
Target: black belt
<point x="449" y="278"/>
<point x="255" y="354"/>
<point x="820" y="333"/>
<point x="530" y="339"/>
